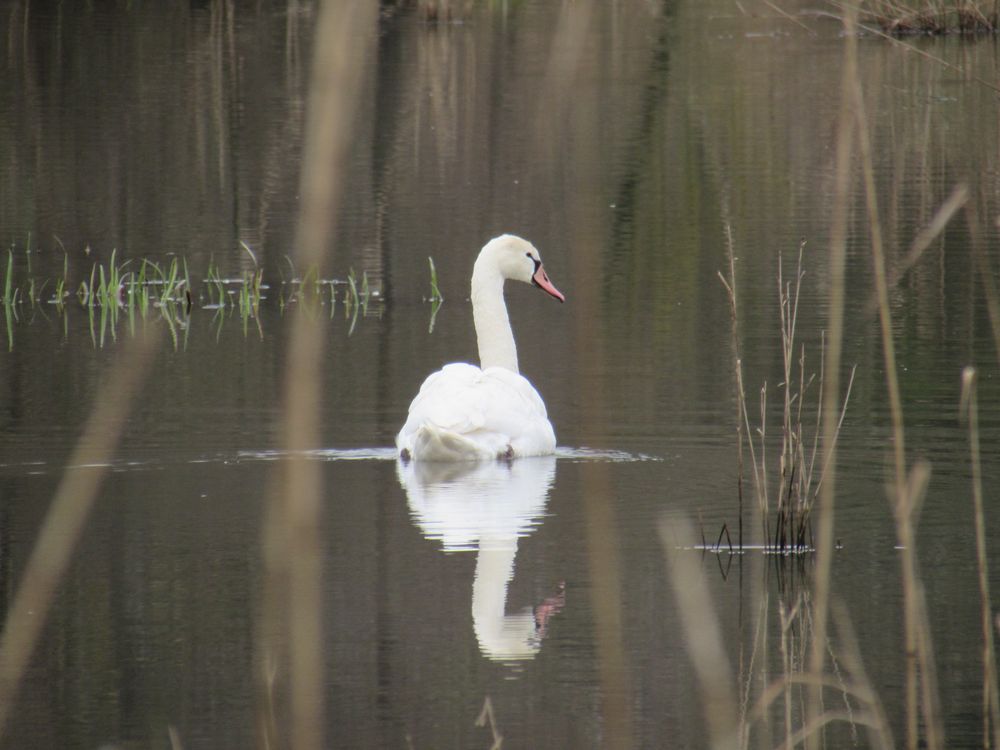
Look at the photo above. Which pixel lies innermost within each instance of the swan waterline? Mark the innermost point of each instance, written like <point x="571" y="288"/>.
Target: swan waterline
<point x="468" y="413"/>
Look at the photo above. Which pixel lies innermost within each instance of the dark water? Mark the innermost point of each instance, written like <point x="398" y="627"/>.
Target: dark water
<point x="176" y="131"/>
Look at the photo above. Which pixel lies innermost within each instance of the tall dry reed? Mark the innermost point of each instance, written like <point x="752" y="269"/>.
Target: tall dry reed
<point x="991" y="698"/>
<point x="293" y="599"/>
<point x="909" y="486"/>
<point x="66" y="518"/>
<point x="799" y="478"/>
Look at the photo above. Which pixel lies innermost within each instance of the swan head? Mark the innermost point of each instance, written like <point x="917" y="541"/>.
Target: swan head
<point x="516" y="258"/>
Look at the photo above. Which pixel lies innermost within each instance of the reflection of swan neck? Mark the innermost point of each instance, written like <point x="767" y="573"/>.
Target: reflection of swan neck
<point x="500" y="636"/>
<point x="485" y="506"/>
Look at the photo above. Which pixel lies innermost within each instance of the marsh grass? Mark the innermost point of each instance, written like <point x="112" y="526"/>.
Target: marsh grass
<point x="140" y="289"/>
<point x="436" y="298"/>
<point x="67" y="515"/>
<point x="822" y="679"/>
<point x="969" y="411"/>
<point x="9" y="291"/>
<point x="798" y="476"/>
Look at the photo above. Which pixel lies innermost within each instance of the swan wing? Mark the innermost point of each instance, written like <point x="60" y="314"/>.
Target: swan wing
<point x="464" y="413"/>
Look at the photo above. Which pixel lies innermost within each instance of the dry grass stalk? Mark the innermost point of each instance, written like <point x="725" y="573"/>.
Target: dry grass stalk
<point x="786" y="618"/>
<point x="798" y="486"/>
<point x="743" y="418"/>
<point x="986" y="277"/>
<point x="730" y="286"/>
<point x="991" y="697"/>
<point x="758" y="653"/>
<point x="921" y="673"/>
<point x="569" y="49"/>
<point x="925" y="237"/>
<point x="704" y="638"/>
<point x="835" y="327"/>
<point x="795" y="496"/>
<point x="880" y="731"/>
<point x="906" y="492"/>
<point x="343" y="34"/>
<point x="849" y="682"/>
<point x="67" y="516"/>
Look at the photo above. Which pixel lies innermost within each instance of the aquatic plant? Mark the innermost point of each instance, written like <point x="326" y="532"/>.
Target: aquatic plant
<point x="138" y="288"/>
<point x="214" y="287"/>
<point x="798" y="477"/>
<point x="9" y="293"/>
<point x="60" y="292"/>
<point x="436" y="295"/>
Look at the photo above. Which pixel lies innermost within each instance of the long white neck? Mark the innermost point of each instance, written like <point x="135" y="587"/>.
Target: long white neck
<point x="489" y="312"/>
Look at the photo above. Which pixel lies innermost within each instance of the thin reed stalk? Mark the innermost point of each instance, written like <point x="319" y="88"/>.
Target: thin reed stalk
<point x="796" y="492"/>
<point x="991" y="696"/>
<point x="880" y="731"/>
<point x="906" y="492"/>
<point x="847" y="683"/>
<point x="602" y="542"/>
<point x="986" y="277"/>
<point x="831" y="377"/>
<point x="344" y="32"/>
<point x="88" y="465"/>
<point x="703" y="637"/>
<point x="730" y="286"/>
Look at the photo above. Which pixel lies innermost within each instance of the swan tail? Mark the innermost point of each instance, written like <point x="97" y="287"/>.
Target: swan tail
<point x="433" y="443"/>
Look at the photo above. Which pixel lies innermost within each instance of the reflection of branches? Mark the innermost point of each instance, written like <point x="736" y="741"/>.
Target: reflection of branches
<point x="704" y="639"/>
<point x="783" y="699"/>
<point x="486" y="716"/>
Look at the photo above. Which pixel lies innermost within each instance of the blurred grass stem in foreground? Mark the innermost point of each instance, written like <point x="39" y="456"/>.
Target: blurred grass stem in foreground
<point x="293" y="599"/>
<point x="66" y="518"/>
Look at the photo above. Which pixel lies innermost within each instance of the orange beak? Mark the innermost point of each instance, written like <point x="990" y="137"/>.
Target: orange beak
<point x="541" y="280"/>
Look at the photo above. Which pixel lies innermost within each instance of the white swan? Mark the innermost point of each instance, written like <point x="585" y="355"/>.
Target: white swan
<point x="468" y="413"/>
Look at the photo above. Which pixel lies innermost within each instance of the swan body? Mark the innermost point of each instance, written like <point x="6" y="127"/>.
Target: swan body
<point x="469" y="413"/>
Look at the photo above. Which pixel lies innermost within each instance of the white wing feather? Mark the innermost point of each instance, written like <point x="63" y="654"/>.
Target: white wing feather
<point x="462" y="412"/>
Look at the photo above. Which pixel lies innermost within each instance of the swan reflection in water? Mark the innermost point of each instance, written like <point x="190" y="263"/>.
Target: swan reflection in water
<point x="485" y="506"/>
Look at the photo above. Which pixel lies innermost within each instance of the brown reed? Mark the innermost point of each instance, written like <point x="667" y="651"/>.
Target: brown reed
<point x="907" y="490"/>
<point x="835" y="327"/>
<point x="991" y="697"/>
<point x="66" y="518"/>
<point x="293" y="544"/>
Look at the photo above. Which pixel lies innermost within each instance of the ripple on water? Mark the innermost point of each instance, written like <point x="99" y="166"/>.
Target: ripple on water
<point x="389" y="454"/>
<point x="576" y="455"/>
